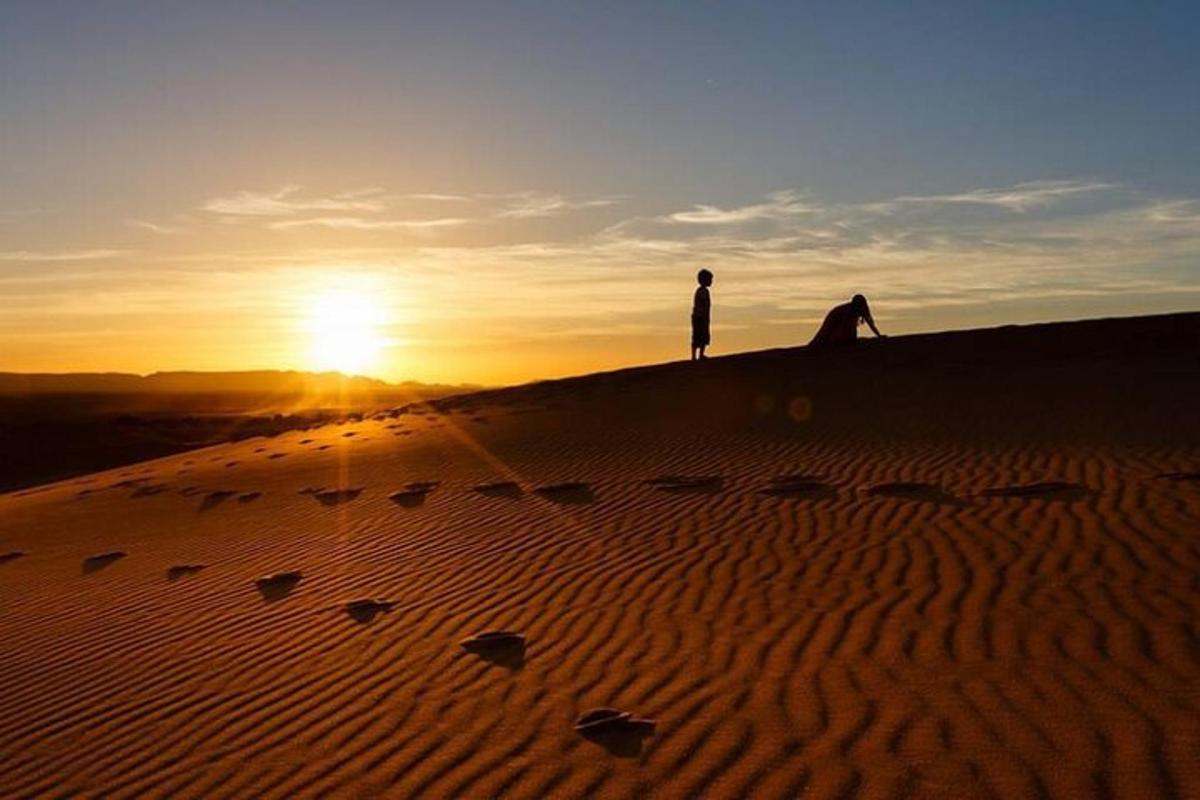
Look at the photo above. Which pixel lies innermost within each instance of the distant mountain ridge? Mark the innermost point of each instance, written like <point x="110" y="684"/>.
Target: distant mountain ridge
<point x="263" y="382"/>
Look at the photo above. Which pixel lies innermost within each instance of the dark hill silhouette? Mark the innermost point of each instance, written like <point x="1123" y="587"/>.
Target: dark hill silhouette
<point x="189" y="382"/>
<point x="57" y="426"/>
<point x="1106" y="379"/>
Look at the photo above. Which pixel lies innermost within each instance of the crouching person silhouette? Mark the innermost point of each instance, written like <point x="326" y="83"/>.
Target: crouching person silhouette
<point x="841" y="324"/>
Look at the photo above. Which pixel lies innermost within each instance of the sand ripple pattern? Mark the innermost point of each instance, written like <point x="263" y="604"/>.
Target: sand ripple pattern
<point x="789" y="638"/>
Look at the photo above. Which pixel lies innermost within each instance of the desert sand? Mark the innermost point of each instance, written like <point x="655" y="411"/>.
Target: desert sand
<point x="955" y="565"/>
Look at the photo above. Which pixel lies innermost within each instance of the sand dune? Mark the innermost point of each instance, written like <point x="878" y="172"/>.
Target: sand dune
<point x="960" y="565"/>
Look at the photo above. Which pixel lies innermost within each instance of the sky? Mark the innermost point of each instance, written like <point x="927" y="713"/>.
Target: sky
<point x="494" y="192"/>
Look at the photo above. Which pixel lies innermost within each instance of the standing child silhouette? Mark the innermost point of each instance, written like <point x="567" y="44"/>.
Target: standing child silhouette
<point x="701" y="314"/>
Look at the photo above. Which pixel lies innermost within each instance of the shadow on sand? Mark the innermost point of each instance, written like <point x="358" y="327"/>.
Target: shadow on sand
<point x="568" y="493"/>
<point x="214" y="499"/>
<point x="182" y="571"/>
<point x="100" y="561"/>
<point x="413" y="494"/>
<point x="800" y="487"/>
<point x="917" y="492"/>
<point x="688" y="484"/>
<point x="274" y="588"/>
<point x="618" y="732"/>
<point x="1048" y="490"/>
<point x="502" y="648"/>
<point x="364" y="612"/>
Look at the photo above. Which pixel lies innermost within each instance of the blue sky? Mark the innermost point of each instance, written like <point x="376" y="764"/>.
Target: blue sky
<point x="1051" y="151"/>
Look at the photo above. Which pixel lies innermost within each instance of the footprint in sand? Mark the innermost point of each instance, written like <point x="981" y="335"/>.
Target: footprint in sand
<point x="274" y="456"/>
<point x="214" y="499"/>
<point x="231" y="464"/>
<point x="365" y="611"/>
<point x="249" y="497"/>
<point x="917" y="492"/>
<point x="333" y="497"/>
<point x="278" y="585"/>
<point x="687" y="484"/>
<point x="11" y="555"/>
<point x="147" y="491"/>
<point x="567" y="493"/>
<point x="507" y="489"/>
<point x="306" y="441"/>
<point x="413" y="494"/>
<point x="800" y="487"/>
<point x="324" y="447"/>
<point x="618" y="732"/>
<point x="182" y="571"/>
<point x="503" y="648"/>
<point x="101" y="560"/>
<point x="1046" y="490"/>
<point x="348" y="434"/>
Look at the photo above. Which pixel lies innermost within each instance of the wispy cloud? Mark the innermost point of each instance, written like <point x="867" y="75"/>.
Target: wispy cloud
<point x="529" y="205"/>
<point x="778" y="206"/>
<point x="367" y="224"/>
<point x="154" y="227"/>
<point x="442" y="198"/>
<point x="366" y="210"/>
<point x="59" y="255"/>
<point x="289" y="200"/>
<point x="1018" y="197"/>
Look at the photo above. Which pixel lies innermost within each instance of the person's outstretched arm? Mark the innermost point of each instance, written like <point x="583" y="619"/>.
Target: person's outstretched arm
<point x="870" y="320"/>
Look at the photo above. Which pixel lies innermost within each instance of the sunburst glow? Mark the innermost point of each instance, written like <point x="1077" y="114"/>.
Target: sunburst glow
<point x="344" y="327"/>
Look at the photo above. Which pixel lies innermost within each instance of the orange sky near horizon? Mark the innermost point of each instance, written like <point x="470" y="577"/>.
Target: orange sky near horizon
<point x="497" y="294"/>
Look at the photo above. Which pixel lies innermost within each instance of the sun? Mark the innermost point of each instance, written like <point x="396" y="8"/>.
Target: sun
<point x="344" y="330"/>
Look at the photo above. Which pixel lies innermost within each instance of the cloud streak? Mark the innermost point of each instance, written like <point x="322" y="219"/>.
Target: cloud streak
<point x="1017" y="198"/>
<point x="289" y="208"/>
<point x="154" y="227"/>
<point x="289" y="200"/>
<point x="364" y="224"/>
<point x="777" y="206"/>
<point x="59" y="255"/>
<point x="531" y="205"/>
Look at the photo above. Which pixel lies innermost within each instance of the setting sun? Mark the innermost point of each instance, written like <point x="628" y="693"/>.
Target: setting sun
<point x="344" y="331"/>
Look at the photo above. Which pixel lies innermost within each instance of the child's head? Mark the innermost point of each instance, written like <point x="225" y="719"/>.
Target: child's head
<point x="704" y="277"/>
